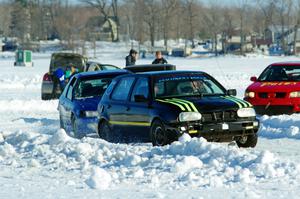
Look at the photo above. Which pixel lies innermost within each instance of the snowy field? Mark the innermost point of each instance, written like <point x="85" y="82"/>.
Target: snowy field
<point x="37" y="159"/>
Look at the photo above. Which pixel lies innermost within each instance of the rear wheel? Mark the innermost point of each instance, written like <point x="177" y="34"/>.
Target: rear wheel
<point x="247" y="141"/>
<point x="75" y="130"/>
<point x="105" y="131"/>
<point x="158" y="134"/>
<point x="46" y="96"/>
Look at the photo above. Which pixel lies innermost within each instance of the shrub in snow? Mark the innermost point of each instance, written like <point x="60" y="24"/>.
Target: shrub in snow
<point x="100" y="179"/>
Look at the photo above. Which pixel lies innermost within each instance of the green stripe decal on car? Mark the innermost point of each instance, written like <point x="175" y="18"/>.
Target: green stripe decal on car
<point x="184" y="105"/>
<point x="174" y="103"/>
<point x="188" y="102"/>
<point x="239" y="102"/>
<point x="247" y="104"/>
<point x="233" y="100"/>
<point x="180" y="102"/>
<point x="130" y="123"/>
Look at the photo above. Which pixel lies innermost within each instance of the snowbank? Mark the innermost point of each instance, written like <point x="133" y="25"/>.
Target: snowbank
<point x="28" y="105"/>
<point x="282" y="126"/>
<point x="189" y="162"/>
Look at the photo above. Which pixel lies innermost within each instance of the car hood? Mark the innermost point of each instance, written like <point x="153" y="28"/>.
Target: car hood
<point x="89" y="104"/>
<point x="274" y="86"/>
<point x="208" y="103"/>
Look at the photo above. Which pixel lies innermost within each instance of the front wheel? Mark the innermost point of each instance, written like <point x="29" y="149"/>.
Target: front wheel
<point x="75" y="130"/>
<point x="105" y="131"/>
<point x="158" y="134"/>
<point x="46" y="96"/>
<point x="247" y="141"/>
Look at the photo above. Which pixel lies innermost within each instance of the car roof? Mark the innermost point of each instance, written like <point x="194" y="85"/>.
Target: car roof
<point x="148" y="65"/>
<point x="102" y="73"/>
<point x="289" y="63"/>
<point x="164" y="73"/>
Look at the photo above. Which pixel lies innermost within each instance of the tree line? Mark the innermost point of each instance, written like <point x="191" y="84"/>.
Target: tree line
<point x="149" y="20"/>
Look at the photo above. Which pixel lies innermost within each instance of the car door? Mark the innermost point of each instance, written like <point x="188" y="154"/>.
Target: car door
<point x="138" y="113"/>
<point x="118" y="108"/>
<point x="68" y="103"/>
<point x="61" y="105"/>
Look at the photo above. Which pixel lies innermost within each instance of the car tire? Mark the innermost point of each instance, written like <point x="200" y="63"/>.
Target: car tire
<point x="46" y="96"/>
<point x="61" y="122"/>
<point x="249" y="142"/>
<point x="105" y="132"/>
<point x="158" y="134"/>
<point x="75" y="128"/>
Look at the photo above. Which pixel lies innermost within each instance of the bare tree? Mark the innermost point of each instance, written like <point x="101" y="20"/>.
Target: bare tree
<point x="242" y="6"/>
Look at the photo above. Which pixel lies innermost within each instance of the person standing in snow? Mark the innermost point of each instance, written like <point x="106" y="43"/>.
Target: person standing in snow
<point x="59" y="79"/>
<point x="131" y="58"/>
<point x="159" y="58"/>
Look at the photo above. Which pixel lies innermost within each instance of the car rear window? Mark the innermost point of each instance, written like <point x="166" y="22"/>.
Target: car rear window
<point x="87" y="88"/>
<point x="64" y="62"/>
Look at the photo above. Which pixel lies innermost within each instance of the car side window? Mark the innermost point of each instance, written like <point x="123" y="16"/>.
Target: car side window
<point x="141" y="88"/>
<point x="70" y="89"/>
<point x="122" y="89"/>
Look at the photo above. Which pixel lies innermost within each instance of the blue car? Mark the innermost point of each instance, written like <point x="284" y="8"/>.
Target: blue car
<point x="78" y="103"/>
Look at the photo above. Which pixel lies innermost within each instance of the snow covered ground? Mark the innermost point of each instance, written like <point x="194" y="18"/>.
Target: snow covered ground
<point x="37" y="159"/>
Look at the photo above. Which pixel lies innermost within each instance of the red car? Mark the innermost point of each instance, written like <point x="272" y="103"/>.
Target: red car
<point x="276" y="90"/>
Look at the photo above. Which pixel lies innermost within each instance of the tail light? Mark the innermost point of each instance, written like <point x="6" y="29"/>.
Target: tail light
<point x="47" y="77"/>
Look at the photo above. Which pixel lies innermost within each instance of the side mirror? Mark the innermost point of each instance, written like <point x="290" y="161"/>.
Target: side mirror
<point x="253" y="79"/>
<point x="140" y="98"/>
<point x="231" y="92"/>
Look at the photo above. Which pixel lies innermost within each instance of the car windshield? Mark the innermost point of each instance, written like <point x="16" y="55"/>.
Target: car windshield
<point x="186" y="85"/>
<point x="64" y="62"/>
<point x="280" y="73"/>
<point x="88" y="88"/>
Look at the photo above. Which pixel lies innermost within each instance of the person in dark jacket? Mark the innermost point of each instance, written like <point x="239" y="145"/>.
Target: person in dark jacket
<point x="159" y="58"/>
<point x="131" y="58"/>
<point x="58" y="81"/>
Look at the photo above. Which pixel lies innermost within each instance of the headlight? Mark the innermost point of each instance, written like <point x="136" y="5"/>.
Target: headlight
<point x="91" y="113"/>
<point x="246" y="112"/>
<point x="189" y="116"/>
<point x="249" y="94"/>
<point x="295" y="94"/>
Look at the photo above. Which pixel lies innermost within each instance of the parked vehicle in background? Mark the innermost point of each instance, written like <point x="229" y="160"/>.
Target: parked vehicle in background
<point x="78" y="103"/>
<point x="94" y="66"/>
<point x="50" y="88"/>
<point x="161" y="106"/>
<point x="276" y="90"/>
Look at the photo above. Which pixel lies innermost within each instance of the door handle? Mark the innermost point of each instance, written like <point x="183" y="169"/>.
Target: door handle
<point x="128" y="109"/>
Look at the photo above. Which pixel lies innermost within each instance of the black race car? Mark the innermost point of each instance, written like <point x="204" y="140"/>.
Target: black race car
<point x="161" y="106"/>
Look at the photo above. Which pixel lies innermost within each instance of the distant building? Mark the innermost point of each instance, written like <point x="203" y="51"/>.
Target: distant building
<point x="234" y="41"/>
<point x="277" y="33"/>
<point x="102" y="29"/>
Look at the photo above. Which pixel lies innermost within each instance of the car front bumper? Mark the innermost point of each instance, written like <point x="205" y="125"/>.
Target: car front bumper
<point x="219" y="131"/>
<point x="275" y="106"/>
